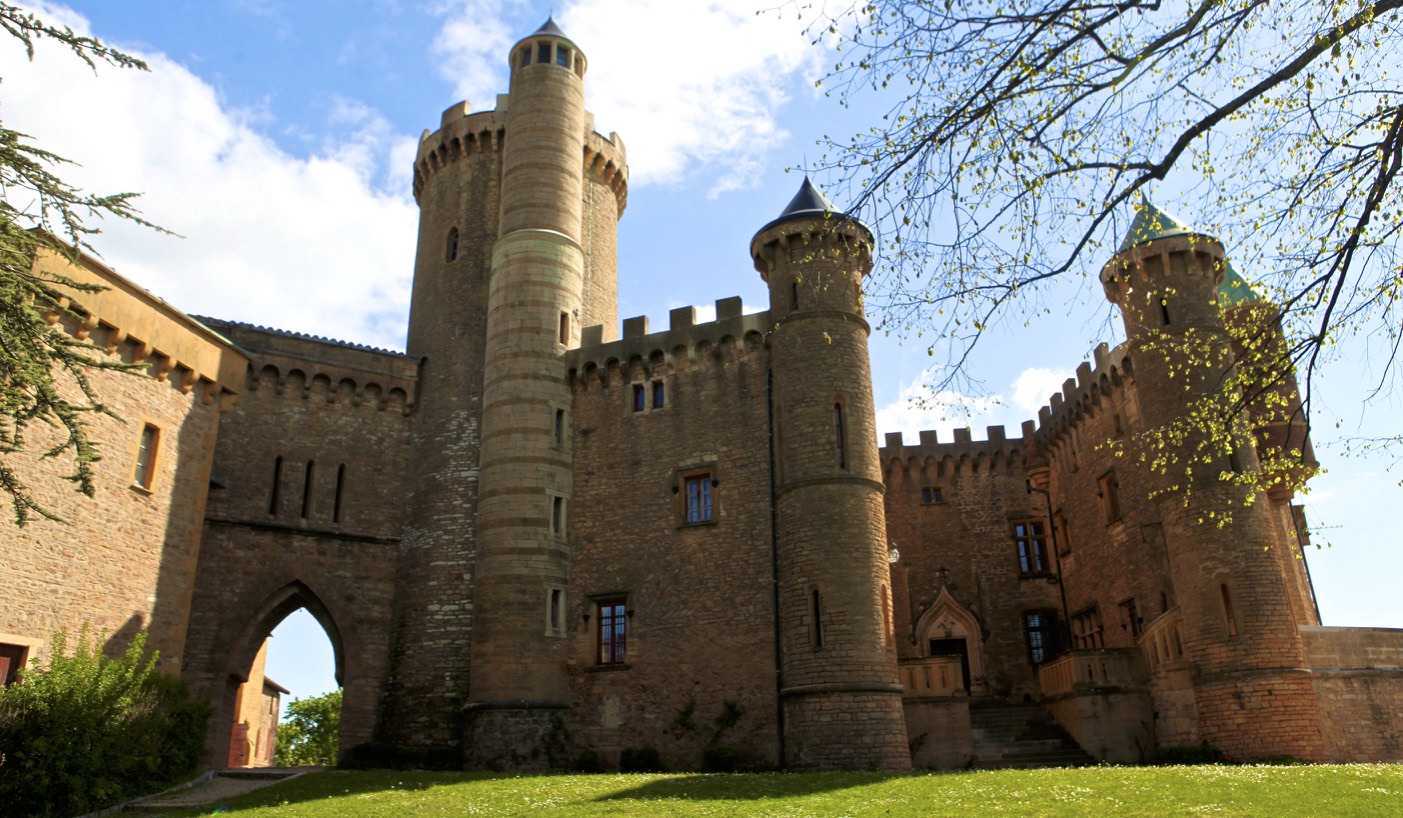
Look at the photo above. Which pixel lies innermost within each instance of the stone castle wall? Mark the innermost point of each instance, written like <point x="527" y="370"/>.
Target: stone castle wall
<point x="280" y="535"/>
<point x="124" y="560"/>
<point x="701" y="627"/>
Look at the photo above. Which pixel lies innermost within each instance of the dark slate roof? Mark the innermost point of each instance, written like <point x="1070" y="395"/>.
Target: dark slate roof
<point x="549" y="27"/>
<point x="807" y="203"/>
<point x="219" y="323"/>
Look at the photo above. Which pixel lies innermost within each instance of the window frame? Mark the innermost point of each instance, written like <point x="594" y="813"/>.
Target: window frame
<point x="705" y="481"/>
<point x="932" y="495"/>
<point x="1045" y="647"/>
<point x="611" y="648"/>
<point x="1088" y="629"/>
<point x="148" y="452"/>
<point x="1034" y="556"/>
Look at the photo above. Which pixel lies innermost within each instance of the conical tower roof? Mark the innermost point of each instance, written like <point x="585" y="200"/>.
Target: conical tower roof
<point x="808" y="203"/>
<point x="549" y="27"/>
<point x="1151" y="223"/>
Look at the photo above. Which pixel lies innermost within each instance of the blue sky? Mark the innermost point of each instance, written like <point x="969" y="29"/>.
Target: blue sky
<point x="276" y="137"/>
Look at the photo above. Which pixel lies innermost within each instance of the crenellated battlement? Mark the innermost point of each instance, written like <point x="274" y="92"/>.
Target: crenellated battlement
<point x="996" y="452"/>
<point x="462" y="134"/>
<point x="1082" y="395"/>
<point x="684" y="344"/>
<point x="309" y="367"/>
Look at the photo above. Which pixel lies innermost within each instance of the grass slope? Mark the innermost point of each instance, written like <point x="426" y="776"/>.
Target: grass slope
<point x="1333" y="790"/>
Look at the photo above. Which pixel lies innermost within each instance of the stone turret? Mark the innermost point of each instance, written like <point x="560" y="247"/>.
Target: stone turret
<point x="1253" y="690"/>
<point x="519" y="686"/>
<point x="840" y="693"/>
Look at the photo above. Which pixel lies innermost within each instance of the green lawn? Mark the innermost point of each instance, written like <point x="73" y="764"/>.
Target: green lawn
<point x="1339" y="790"/>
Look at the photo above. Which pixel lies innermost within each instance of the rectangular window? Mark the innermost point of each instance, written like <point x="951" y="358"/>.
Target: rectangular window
<point x="697" y="488"/>
<point x="565" y="328"/>
<point x="841" y="450"/>
<point x="1040" y="628"/>
<point x="559" y="427"/>
<point x="146" y="457"/>
<point x="1229" y="615"/>
<point x="1109" y="492"/>
<point x="11" y="662"/>
<point x="640" y="396"/>
<point x="659" y="397"/>
<point x="562" y="57"/>
<point x="1031" y="538"/>
<point x="1086" y="629"/>
<point x="555" y="612"/>
<point x="340" y="489"/>
<point x="1130" y="617"/>
<point x="543" y="53"/>
<point x="931" y="495"/>
<point x="557" y="515"/>
<point x="815" y="618"/>
<point x="611" y="635"/>
<point x="526" y="56"/>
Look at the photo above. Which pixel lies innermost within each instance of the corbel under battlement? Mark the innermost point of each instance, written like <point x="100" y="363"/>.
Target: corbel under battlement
<point x="684" y="344"/>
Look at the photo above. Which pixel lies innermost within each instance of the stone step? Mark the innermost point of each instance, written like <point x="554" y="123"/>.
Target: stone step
<point x="1021" y="736"/>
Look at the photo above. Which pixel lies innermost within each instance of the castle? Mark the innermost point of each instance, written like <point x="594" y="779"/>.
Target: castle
<point x="530" y="539"/>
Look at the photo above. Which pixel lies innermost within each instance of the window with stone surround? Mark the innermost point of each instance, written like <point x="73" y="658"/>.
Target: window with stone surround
<point x="815" y="604"/>
<point x="144" y="475"/>
<point x="1108" y="489"/>
<point x="931" y="495"/>
<point x="839" y="437"/>
<point x="555" y="611"/>
<point x="611" y="630"/>
<point x="1087" y="630"/>
<point x="1030" y="538"/>
<point x="12" y="659"/>
<point x="1130" y="617"/>
<point x="659" y="395"/>
<point x="697" y="497"/>
<point x="640" y="397"/>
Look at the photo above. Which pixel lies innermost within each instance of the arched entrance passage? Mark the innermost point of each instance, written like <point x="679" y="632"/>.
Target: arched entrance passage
<point x="234" y="655"/>
<point x="948" y="628"/>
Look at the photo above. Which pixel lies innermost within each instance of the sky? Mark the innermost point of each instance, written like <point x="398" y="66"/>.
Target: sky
<point x="276" y="137"/>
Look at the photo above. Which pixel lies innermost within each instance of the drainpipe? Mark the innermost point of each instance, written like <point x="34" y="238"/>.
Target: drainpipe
<point x="774" y="561"/>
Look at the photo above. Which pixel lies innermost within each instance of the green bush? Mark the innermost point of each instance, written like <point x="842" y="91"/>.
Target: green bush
<point x="1204" y="753"/>
<point x="720" y="758"/>
<point x="588" y="761"/>
<point x="84" y="730"/>
<point x="640" y="760"/>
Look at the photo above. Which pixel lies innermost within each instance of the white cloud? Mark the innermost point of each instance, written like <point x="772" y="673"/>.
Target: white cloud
<point x="694" y="88"/>
<point x="308" y="243"/>
<point x="918" y="407"/>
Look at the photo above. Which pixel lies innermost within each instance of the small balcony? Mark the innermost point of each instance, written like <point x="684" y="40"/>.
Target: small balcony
<point x="1081" y="671"/>
<point x="933" y="676"/>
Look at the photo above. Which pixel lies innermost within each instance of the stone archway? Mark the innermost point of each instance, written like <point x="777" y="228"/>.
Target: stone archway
<point x="945" y="621"/>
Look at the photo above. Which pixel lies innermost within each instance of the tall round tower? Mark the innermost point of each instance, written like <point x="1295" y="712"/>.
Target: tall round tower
<point x="517" y="254"/>
<point x="1254" y="692"/>
<point x="840" y="690"/>
<point x="519" y="684"/>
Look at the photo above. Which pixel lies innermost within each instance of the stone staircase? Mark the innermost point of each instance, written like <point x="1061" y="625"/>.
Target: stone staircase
<point x="212" y="789"/>
<point x="1021" y="736"/>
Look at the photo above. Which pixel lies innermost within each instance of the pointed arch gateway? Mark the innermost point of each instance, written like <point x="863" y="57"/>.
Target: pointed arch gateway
<point x="246" y="640"/>
<point x="948" y="628"/>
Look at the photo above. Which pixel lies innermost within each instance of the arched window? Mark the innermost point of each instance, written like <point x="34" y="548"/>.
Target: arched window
<point x="451" y="253"/>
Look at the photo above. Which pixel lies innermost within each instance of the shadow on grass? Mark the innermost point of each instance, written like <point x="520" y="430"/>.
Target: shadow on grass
<point x="745" y="786"/>
<point x="331" y="784"/>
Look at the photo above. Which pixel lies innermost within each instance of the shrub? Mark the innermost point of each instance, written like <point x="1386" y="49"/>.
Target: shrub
<point x="720" y="758"/>
<point x="84" y="730"/>
<point x="588" y="761"/>
<point x="640" y="760"/>
<point x="1204" y="753"/>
